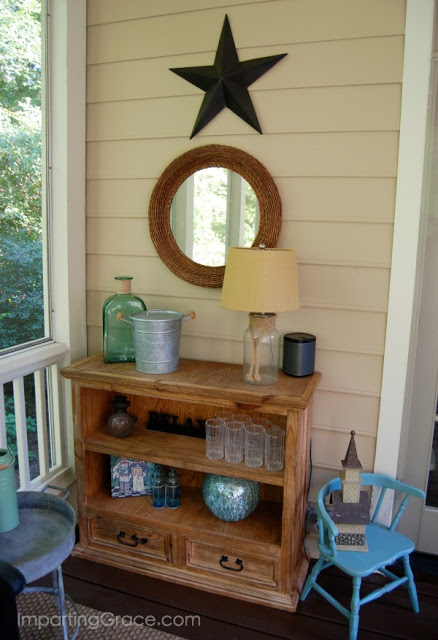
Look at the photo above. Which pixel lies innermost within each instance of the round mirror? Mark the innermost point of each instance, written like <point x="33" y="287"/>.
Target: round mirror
<point x="238" y="204"/>
<point x="214" y="209"/>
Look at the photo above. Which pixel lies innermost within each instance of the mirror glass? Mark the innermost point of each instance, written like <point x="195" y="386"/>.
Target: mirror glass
<point x="214" y="209"/>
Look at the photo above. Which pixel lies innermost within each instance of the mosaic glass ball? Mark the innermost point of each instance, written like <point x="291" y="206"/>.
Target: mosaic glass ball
<point x="230" y="499"/>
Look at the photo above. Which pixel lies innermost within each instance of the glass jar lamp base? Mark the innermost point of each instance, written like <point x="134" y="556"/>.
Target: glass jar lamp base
<point x="261" y="350"/>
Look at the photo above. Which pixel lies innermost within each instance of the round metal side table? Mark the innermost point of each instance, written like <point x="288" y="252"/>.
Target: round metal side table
<point x="40" y="543"/>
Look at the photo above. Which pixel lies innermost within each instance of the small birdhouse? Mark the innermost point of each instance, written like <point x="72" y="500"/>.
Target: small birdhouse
<point x="351" y="506"/>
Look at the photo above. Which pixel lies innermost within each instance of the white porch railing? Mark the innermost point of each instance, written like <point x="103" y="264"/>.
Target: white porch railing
<point x="43" y="363"/>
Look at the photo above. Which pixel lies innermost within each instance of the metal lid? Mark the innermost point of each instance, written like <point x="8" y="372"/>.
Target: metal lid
<point x="299" y="337"/>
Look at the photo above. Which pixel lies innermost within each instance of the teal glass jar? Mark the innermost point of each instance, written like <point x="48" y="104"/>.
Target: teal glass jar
<point x="9" y="514"/>
<point x="118" y="343"/>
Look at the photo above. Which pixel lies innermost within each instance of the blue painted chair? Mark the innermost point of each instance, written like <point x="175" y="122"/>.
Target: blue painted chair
<point x="385" y="546"/>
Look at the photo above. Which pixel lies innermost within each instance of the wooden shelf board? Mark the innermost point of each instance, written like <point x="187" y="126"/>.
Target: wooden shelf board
<point x="173" y="450"/>
<point x="196" y="377"/>
<point x="193" y="518"/>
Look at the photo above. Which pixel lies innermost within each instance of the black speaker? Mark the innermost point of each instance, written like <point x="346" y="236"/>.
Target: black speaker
<point x="299" y="354"/>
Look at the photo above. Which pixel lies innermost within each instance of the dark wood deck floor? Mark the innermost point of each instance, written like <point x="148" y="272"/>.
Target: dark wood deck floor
<point x="123" y="593"/>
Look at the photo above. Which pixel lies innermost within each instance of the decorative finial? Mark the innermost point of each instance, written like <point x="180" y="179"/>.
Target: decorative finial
<point x="351" y="460"/>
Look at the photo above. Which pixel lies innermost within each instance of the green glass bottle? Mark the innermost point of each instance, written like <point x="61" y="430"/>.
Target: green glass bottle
<point x="118" y="344"/>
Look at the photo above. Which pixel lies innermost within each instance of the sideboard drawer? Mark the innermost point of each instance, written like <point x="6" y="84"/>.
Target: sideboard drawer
<point x="128" y="538"/>
<point x="224" y="560"/>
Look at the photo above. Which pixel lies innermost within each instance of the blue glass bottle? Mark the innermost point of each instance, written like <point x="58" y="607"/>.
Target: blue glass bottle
<point x="158" y="488"/>
<point x="173" y="491"/>
<point x="118" y="343"/>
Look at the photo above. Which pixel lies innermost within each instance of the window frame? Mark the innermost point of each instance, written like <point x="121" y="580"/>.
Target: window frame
<point x="67" y="172"/>
<point x="67" y="24"/>
<point x="66" y="231"/>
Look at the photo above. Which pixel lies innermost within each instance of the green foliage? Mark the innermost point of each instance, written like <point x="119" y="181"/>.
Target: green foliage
<point x="10" y="429"/>
<point x="20" y="173"/>
<point x="20" y="53"/>
<point x="21" y="294"/>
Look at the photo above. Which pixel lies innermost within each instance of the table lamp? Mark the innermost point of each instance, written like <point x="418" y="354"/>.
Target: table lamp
<point x="262" y="282"/>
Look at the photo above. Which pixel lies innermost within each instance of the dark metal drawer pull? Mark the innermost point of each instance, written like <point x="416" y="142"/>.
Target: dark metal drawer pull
<point x="238" y="562"/>
<point x="134" y="539"/>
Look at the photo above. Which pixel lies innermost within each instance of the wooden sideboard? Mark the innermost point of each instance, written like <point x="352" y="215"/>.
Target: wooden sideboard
<point x="186" y="545"/>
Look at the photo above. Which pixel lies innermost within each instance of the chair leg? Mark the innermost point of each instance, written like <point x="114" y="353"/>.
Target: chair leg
<point x="312" y="578"/>
<point x="412" y="589"/>
<point x="354" y="609"/>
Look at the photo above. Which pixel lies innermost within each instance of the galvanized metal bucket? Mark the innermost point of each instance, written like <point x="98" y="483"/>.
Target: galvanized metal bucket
<point x="157" y="336"/>
<point x="9" y="518"/>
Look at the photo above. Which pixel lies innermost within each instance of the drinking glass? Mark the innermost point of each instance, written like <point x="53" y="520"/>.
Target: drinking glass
<point x="214" y="438"/>
<point x="234" y="441"/>
<point x="242" y="417"/>
<point x="254" y="445"/>
<point x="226" y="416"/>
<point x="274" y="448"/>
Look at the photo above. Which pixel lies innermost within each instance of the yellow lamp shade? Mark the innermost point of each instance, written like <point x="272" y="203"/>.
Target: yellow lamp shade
<point x="260" y="280"/>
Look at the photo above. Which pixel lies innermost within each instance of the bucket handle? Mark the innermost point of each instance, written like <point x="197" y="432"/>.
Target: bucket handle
<point x="187" y="316"/>
<point x="8" y="464"/>
<point x="121" y="317"/>
<point x="59" y="492"/>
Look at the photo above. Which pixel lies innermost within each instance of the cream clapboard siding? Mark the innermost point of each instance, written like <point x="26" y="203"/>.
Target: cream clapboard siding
<point x="330" y="115"/>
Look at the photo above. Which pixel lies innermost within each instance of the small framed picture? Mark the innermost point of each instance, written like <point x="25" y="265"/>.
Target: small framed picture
<point x="130" y="477"/>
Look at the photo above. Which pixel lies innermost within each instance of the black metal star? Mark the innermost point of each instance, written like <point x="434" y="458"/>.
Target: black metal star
<point x="225" y="83"/>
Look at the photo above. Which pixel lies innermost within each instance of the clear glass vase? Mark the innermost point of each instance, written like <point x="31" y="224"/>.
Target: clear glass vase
<point x="261" y="350"/>
<point x="118" y="343"/>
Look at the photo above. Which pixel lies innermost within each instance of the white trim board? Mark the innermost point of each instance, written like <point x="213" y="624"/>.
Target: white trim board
<point x="407" y="243"/>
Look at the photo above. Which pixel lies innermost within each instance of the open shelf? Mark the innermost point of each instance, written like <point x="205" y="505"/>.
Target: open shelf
<point x="263" y="526"/>
<point x="174" y="451"/>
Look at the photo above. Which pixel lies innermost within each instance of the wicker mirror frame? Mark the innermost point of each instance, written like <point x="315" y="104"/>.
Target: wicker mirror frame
<point x="172" y="178"/>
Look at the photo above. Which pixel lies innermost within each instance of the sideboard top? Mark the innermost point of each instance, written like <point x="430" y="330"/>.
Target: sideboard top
<point x="197" y="378"/>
